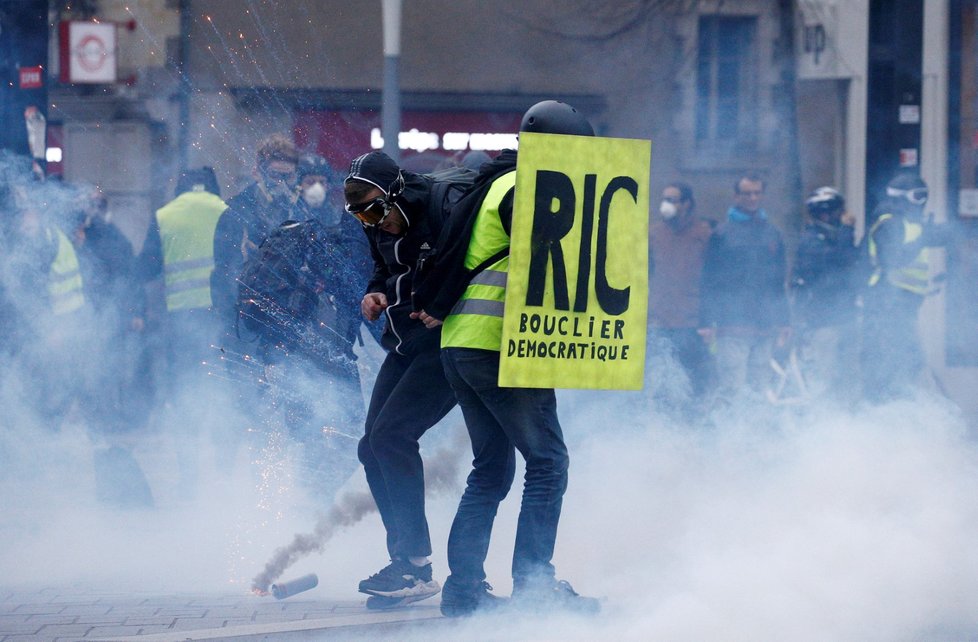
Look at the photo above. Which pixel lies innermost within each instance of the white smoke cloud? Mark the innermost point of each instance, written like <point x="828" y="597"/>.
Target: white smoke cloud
<point x="783" y="524"/>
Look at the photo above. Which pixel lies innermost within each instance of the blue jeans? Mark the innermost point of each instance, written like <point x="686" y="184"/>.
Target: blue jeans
<point x="410" y="396"/>
<point x="501" y="421"/>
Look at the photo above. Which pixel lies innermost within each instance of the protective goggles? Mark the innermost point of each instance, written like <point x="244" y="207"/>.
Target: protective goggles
<point x="916" y="196"/>
<point x="824" y="207"/>
<point x="371" y="213"/>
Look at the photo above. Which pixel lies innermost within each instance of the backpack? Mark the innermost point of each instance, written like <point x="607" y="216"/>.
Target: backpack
<point x="447" y="187"/>
<point x="280" y="285"/>
<point x="441" y="276"/>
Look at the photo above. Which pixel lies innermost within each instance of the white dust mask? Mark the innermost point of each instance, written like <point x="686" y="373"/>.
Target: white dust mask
<point x="315" y="195"/>
<point x="667" y="209"/>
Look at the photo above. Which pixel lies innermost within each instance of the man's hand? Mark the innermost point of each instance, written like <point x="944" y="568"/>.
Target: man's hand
<point x="428" y="320"/>
<point x="372" y="305"/>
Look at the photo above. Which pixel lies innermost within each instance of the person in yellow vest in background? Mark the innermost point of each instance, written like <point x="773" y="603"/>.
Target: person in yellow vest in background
<point x="64" y="277"/>
<point x="42" y="276"/>
<point x="897" y="242"/>
<point x="180" y="253"/>
<point x="186" y="247"/>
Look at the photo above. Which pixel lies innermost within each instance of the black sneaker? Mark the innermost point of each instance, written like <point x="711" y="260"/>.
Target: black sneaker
<point x="459" y="599"/>
<point x="401" y="579"/>
<point x="554" y="595"/>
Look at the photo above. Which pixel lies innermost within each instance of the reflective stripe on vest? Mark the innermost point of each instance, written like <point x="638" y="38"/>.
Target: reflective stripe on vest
<point x="476" y="321"/>
<point x="187" y="225"/>
<point x="914" y="277"/>
<point x="64" y="279"/>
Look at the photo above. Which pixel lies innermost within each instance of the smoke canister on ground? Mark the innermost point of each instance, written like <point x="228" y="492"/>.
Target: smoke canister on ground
<point x="282" y="590"/>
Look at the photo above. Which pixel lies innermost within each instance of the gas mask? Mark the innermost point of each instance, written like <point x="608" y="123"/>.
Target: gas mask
<point x="279" y="185"/>
<point x="668" y="210"/>
<point x="314" y="195"/>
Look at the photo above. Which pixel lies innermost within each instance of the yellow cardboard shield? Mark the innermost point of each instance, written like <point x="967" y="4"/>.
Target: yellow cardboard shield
<point x="577" y="290"/>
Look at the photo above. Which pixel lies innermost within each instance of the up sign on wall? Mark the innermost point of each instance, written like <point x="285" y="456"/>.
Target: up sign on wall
<point x="577" y="288"/>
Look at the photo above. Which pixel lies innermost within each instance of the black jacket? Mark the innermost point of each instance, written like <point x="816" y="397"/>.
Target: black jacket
<point x="825" y="278"/>
<point x="743" y="282"/>
<point x="247" y="221"/>
<point x="395" y="262"/>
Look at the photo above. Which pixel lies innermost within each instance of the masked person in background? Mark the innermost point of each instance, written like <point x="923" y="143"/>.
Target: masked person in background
<point x="897" y="242"/>
<point x="251" y="215"/>
<point x="313" y="174"/>
<point x="349" y="252"/>
<point x="824" y="288"/>
<point x="677" y="248"/>
<point x="118" y="302"/>
<point x="299" y="304"/>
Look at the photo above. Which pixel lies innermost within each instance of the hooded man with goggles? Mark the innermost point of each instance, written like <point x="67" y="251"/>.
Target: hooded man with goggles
<point x="410" y="393"/>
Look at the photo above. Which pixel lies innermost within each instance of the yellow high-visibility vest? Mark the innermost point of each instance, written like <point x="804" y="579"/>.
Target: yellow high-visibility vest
<point x="476" y="321"/>
<point x="187" y="225"/>
<point x="64" y="278"/>
<point x="913" y="277"/>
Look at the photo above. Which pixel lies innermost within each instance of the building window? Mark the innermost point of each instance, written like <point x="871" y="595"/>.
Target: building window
<point x="726" y="93"/>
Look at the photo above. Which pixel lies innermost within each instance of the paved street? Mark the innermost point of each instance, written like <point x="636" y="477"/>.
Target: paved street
<point x="81" y="613"/>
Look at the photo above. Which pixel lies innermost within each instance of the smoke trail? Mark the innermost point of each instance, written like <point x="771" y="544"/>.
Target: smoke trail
<point x="441" y="473"/>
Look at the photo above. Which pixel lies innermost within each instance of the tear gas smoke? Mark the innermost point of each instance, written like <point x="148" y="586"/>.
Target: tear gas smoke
<point x="441" y="473"/>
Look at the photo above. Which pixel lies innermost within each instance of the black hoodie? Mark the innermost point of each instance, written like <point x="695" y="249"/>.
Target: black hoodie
<point x="395" y="259"/>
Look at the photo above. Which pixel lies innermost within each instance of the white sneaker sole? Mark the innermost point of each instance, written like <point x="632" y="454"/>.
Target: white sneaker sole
<point x="419" y="591"/>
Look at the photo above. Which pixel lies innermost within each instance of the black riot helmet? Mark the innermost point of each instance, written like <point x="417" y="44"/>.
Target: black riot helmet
<point x="825" y="204"/>
<point x="555" y="117"/>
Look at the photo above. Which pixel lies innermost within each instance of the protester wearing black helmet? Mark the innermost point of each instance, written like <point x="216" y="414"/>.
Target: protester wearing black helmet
<point x="410" y="394"/>
<point x="502" y="420"/>
<point x="824" y="289"/>
<point x="897" y="242"/>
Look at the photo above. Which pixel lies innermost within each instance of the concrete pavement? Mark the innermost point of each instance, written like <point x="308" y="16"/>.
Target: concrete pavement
<point x="100" y="614"/>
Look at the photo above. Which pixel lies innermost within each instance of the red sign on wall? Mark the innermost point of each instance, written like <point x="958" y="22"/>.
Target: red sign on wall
<point x="31" y="77"/>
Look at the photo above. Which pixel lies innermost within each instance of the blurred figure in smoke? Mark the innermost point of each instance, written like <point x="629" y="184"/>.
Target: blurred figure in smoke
<point x="744" y="302"/>
<point x="410" y="393"/>
<point x="66" y="362"/>
<point x="250" y="216"/>
<point x="677" y="249"/>
<point x="501" y="420"/>
<point x="27" y="250"/>
<point x="299" y="300"/>
<point x="118" y="304"/>
<point x="56" y="312"/>
<point x="179" y="261"/>
<point x="118" y="399"/>
<point x="824" y="287"/>
<point x="897" y="242"/>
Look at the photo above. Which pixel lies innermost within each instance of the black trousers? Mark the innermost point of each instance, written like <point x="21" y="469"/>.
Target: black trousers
<point x="410" y="396"/>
